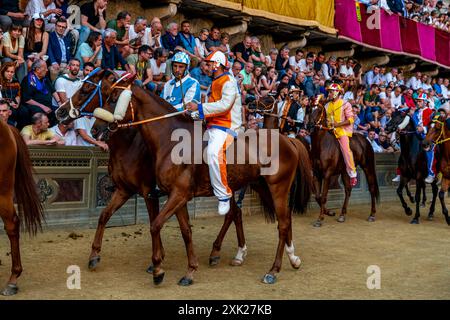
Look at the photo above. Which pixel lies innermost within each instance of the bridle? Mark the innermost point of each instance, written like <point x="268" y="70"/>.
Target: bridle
<point x="441" y="137"/>
<point x="97" y="90"/>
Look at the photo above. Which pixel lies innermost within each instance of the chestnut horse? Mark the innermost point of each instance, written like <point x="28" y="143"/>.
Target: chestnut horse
<point x="187" y="180"/>
<point x="439" y="134"/>
<point x="132" y="172"/>
<point x="328" y="161"/>
<point x="412" y="163"/>
<point x="16" y="176"/>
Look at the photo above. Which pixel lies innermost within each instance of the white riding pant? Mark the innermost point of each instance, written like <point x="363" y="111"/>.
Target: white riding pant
<point x="216" y="153"/>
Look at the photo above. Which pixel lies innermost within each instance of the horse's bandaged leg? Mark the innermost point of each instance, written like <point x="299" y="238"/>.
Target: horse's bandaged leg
<point x="290" y="251"/>
<point x="217" y="144"/>
<point x="240" y="256"/>
<point x="347" y="153"/>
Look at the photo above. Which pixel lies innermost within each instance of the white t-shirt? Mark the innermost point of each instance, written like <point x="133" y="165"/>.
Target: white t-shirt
<point x="64" y="84"/>
<point x="201" y="47"/>
<point x="396" y="101"/>
<point x="348" y="96"/>
<point x="347" y="71"/>
<point x="155" y="69"/>
<point x="70" y="139"/>
<point x="304" y="67"/>
<point x="86" y="124"/>
<point x="145" y="38"/>
<point x="444" y="91"/>
<point x="294" y="63"/>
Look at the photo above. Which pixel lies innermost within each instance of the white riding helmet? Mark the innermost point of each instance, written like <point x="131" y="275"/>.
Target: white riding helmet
<point x="218" y="58"/>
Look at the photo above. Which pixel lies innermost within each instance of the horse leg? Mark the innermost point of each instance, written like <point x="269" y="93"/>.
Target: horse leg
<point x="280" y="199"/>
<point x="424" y="198"/>
<point x="434" y="189"/>
<point x="403" y="183"/>
<point x="371" y="181"/>
<point x="239" y="258"/>
<point x="444" y="188"/>
<point x="214" y="256"/>
<point x="348" y="190"/>
<point x="185" y="227"/>
<point x="118" y="199"/>
<point x="12" y="227"/>
<point x="318" y="187"/>
<point x="408" y="193"/>
<point x="290" y="250"/>
<point x="175" y="201"/>
<point x="419" y="186"/>
<point x="152" y="205"/>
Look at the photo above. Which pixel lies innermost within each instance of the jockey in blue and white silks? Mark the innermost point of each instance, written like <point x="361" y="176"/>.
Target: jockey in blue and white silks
<point x="178" y="91"/>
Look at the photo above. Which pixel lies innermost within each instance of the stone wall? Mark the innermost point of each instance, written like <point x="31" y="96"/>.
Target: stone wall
<point x="73" y="185"/>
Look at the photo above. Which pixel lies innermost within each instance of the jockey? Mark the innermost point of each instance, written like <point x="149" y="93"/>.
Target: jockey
<point x="182" y="88"/>
<point x="340" y="118"/>
<point x="223" y="114"/>
<point x="422" y="118"/>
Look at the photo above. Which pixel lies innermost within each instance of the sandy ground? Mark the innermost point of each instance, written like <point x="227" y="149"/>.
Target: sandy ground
<point x="414" y="260"/>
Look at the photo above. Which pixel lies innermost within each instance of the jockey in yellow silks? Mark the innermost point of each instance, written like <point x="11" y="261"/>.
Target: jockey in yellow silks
<point x="222" y="113"/>
<point x="340" y="117"/>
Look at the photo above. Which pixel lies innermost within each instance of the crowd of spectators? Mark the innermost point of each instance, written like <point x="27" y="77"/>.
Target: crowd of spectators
<point x="431" y="12"/>
<point x="43" y="62"/>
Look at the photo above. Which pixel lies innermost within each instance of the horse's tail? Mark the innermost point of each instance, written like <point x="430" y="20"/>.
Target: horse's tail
<point x="303" y="183"/>
<point x="371" y="175"/>
<point x="30" y="209"/>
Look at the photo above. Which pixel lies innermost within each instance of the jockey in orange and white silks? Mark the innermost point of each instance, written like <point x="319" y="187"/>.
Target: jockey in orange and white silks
<point x="340" y="117"/>
<point x="222" y="113"/>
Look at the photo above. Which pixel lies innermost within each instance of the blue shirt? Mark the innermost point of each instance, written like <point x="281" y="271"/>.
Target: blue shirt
<point x="187" y="43"/>
<point x="172" y="92"/>
<point x="202" y="78"/>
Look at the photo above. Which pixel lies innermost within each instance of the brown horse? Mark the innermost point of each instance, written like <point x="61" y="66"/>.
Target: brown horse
<point x="186" y="180"/>
<point x="412" y="163"/>
<point x="132" y="172"/>
<point x="439" y="134"/>
<point x="328" y="161"/>
<point x="16" y="176"/>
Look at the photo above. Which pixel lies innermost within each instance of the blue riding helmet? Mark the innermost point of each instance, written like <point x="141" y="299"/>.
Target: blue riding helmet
<point x="182" y="57"/>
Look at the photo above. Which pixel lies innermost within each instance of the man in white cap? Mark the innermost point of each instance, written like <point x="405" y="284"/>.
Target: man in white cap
<point x="222" y="112"/>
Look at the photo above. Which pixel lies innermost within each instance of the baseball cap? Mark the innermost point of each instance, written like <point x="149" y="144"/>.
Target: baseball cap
<point x="38" y="16"/>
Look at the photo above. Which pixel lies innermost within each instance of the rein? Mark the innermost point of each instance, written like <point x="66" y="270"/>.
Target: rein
<point x="442" y="133"/>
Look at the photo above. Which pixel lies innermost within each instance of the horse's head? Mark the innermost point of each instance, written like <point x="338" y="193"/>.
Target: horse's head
<point x="400" y="120"/>
<point x="317" y="115"/>
<point x="264" y="104"/>
<point x="436" y="131"/>
<point x="117" y="110"/>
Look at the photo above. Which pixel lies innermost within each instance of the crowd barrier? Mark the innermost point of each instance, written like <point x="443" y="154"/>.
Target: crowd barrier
<point x="74" y="186"/>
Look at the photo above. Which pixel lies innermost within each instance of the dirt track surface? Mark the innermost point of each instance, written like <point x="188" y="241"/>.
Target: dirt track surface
<point x="414" y="260"/>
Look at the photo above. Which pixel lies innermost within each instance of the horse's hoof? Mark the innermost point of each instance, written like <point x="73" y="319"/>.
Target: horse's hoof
<point x="269" y="278"/>
<point x="414" y="221"/>
<point x="341" y="219"/>
<point x="237" y="262"/>
<point x="93" y="262"/>
<point x="150" y="269"/>
<point x="430" y="217"/>
<point x="317" y="224"/>
<point x="371" y="219"/>
<point x="214" y="261"/>
<point x="330" y="213"/>
<point x="157" y="280"/>
<point x="296" y="264"/>
<point x="10" y="289"/>
<point x="185" y="282"/>
<point x="408" y="211"/>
